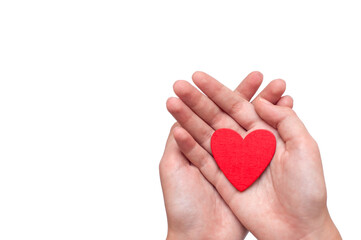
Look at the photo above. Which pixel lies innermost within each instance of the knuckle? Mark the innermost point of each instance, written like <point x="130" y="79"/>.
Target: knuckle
<point x="207" y="137"/>
<point x="203" y="163"/>
<point x="217" y="180"/>
<point x="197" y="102"/>
<point x="217" y="119"/>
<point x="303" y="142"/>
<point x="237" y="107"/>
<point x="307" y="143"/>
<point x="314" y="145"/>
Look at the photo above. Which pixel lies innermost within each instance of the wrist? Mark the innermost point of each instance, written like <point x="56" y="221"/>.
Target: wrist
<point x="327" y="230"/>
<point x="175" y="236"/>
<point x="206" y="235"/>
<point x="182" y="235"/>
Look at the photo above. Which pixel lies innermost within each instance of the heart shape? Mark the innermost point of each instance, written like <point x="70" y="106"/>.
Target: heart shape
<point x="242" y="160"/>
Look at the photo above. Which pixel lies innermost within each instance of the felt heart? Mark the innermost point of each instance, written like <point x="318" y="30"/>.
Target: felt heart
<point x="242" y="160"/>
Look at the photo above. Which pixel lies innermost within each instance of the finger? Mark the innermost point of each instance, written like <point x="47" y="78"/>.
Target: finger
<point x="204" y="107"/>
<point x="172" y="157"/>
<point x="249" y="86"/>
<point x="201" y="132"/>
<point x="285" y="120"/>
<point x="212" y="114"/>
<point x="273" y="91"/>
<point x="204" y="162"/>
<point x="233" y="104"/>
<point x="170" y="140"/>
<point x="285" y="101"/>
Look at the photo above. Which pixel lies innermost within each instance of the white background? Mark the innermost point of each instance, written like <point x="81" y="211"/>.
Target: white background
<point x="83" y="86"/>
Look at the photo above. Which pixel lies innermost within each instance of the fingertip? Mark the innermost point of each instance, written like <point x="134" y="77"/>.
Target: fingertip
<point x="278" y="86"/>
<point x="260" y="75"/>
<point x="255" y="79"/>
<point x="273" y="91"/>
<point x="168" y="103"/>
<point x="178" y="133"/>
<point x="198" y="74"/>
<point x="176" y="124"/>
<point x="199" y="77"/>
<point x="256" y="76"/>
<point x="176" y="83"/>
<point x="173" y="104"/>
<point x="286" y="101"/>
<point x="281" y="81"/>
<point x="180" y="87"/>
<point x="249" y="86"/>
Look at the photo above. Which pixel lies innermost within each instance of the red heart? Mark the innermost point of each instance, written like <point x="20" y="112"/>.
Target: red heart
<point x="242" y="160"/>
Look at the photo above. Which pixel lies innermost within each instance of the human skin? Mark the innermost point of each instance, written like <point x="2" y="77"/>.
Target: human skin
<point x="288" y="201"/>
<point x="195" y="210"/>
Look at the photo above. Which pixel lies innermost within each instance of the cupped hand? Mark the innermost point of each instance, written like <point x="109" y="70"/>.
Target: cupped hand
<point x="195" y="210"/>
<point x="288" y="201"/>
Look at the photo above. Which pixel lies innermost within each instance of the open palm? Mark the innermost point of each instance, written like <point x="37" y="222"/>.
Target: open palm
<point x="288" y="201"/>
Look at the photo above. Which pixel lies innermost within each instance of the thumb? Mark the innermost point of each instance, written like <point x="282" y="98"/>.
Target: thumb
<point x="285" y="120"/>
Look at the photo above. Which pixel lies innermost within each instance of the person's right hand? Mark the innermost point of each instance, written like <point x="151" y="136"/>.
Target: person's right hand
<point x="288" y="201"/>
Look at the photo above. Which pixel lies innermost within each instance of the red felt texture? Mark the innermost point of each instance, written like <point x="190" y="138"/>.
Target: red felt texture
<point x="243" y="160"/>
